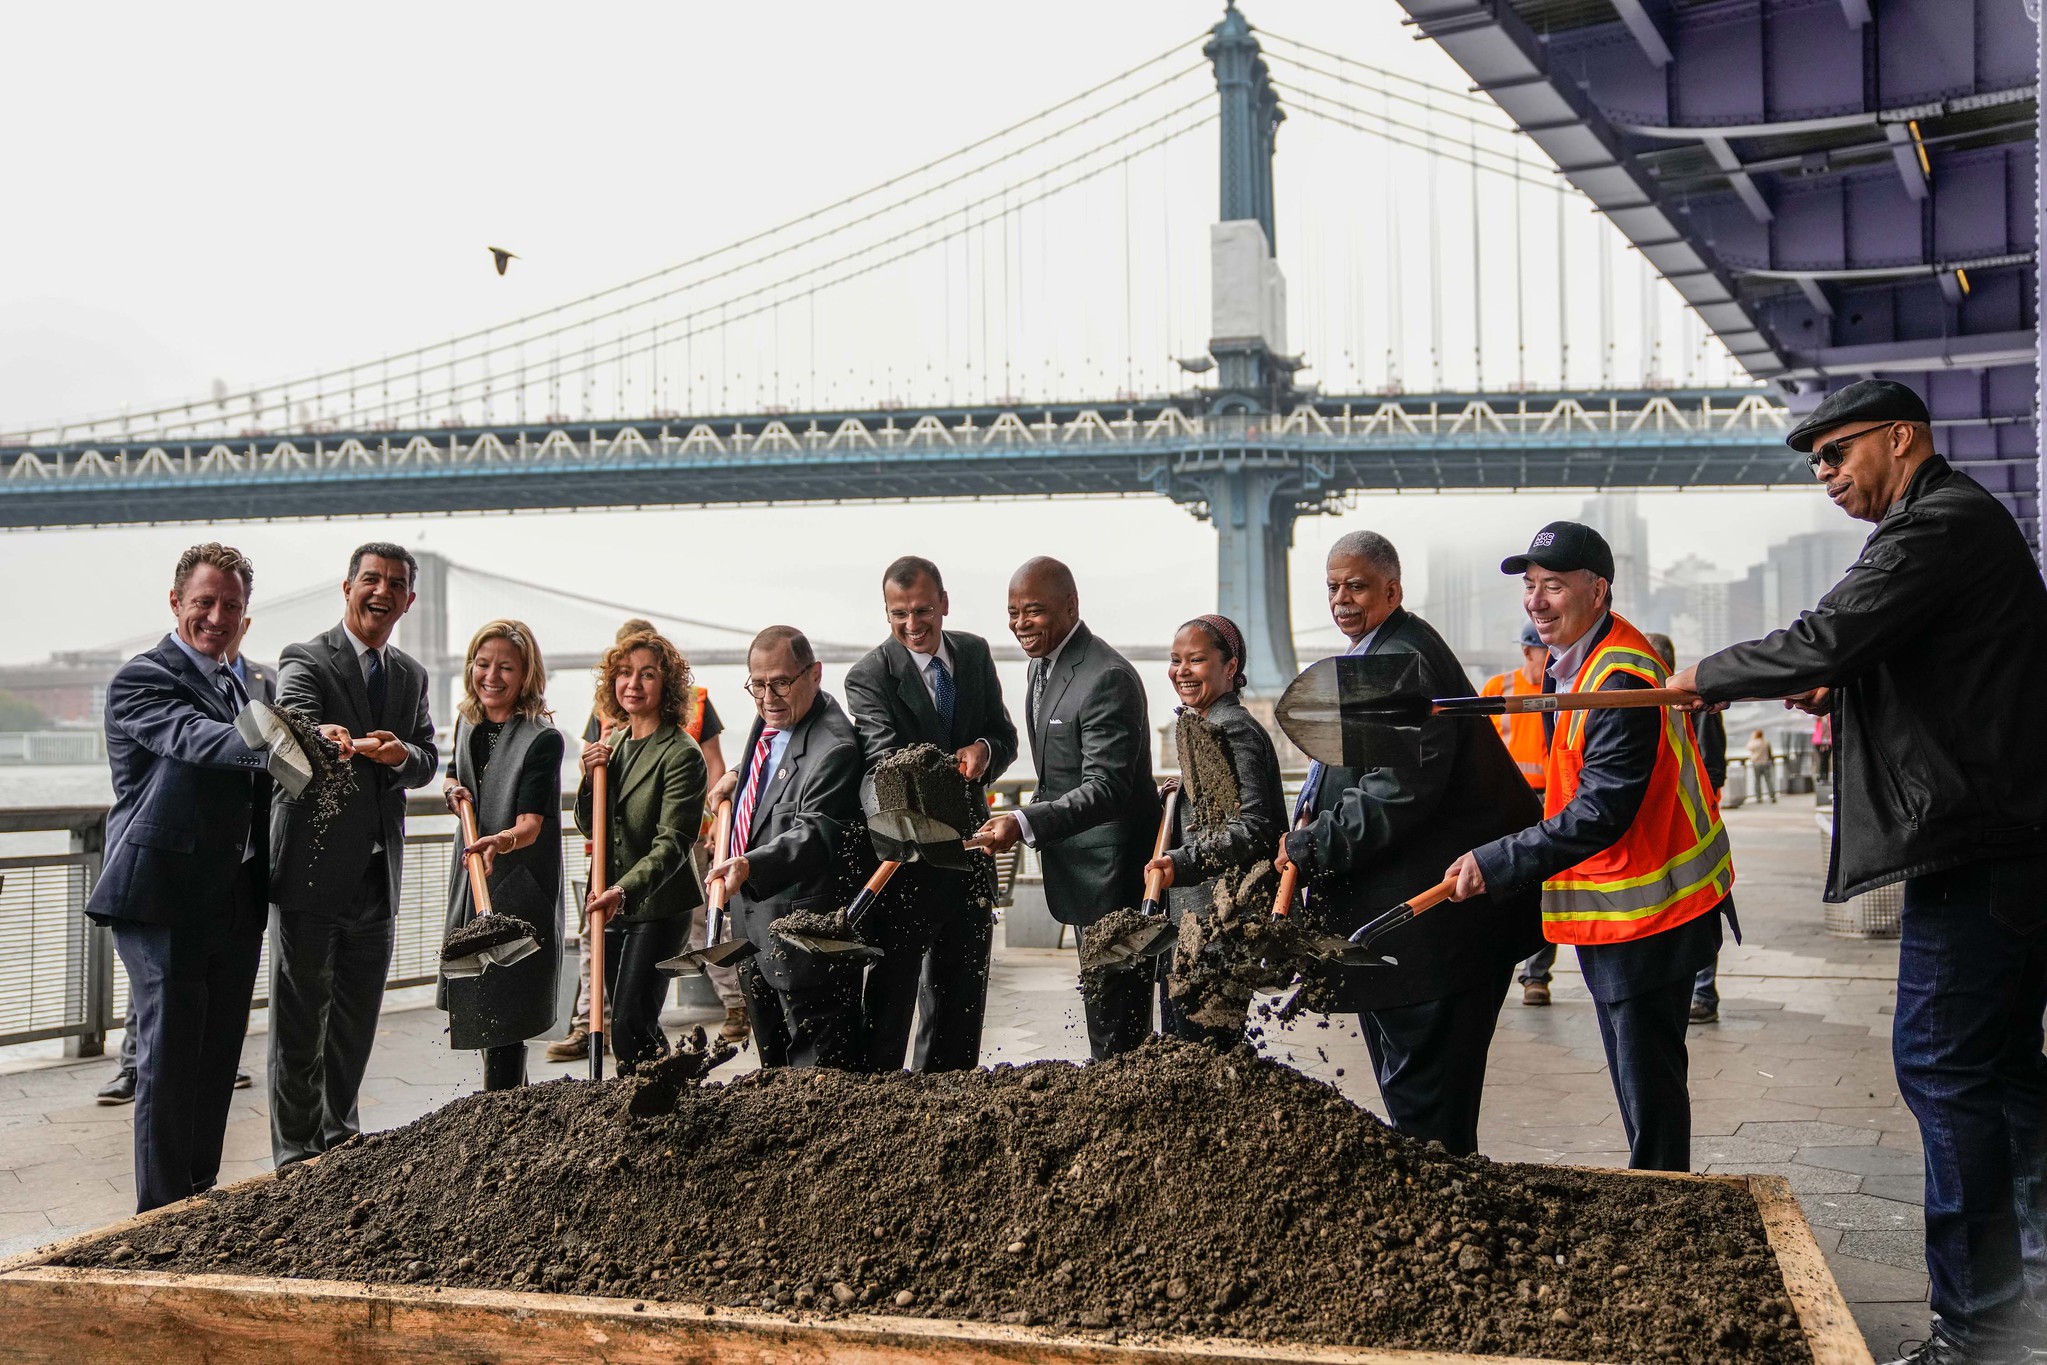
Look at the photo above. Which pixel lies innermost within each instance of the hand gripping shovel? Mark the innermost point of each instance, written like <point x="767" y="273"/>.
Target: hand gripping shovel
<point x="846" y="942"/>
<point x="1320" y="946"/>
<point x="1366" y="710"/>
<point x="1157" y="934"/>
<point x="488" y="939"/>
<point x="600" y="846"/>
<point x="718" y="951"/>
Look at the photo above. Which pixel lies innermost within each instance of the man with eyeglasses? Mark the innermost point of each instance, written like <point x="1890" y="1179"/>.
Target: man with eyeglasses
<point x="926" y="684"/>
<point x="798" y="844"/>
<point x="1927" y="656"/>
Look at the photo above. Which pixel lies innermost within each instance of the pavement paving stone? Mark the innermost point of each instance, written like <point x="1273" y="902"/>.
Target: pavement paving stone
<point x="1803" y="1179"/>
<point x="1876" y="1281"/>
<point x="1725" y="1118"/>
<point x="1862" y="1212"/>
<point x="1878" y="1160"/>
<point x="1909" y="1189"/>
<point x="1712" y="1149"/>
<point x="1905" y="1249"/>
<point x="1809" y="1133"/>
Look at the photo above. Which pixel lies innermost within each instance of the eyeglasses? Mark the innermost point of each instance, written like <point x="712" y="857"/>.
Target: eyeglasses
<point x="760" y="687"/>
<point x="1835" y="451"/>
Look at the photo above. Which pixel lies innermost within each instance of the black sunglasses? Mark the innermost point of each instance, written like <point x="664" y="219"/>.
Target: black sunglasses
<point x="1835" y="451"/>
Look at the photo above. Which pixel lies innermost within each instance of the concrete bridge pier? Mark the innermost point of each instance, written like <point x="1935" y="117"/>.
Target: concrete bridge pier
<point x="1253" y="508"/>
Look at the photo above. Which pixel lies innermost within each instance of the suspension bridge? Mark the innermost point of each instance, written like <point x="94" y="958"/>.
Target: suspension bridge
<point x="947" y="334"/>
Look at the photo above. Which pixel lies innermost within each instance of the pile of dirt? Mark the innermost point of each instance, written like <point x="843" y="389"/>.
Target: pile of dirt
<point x="484" y="931"/>
<point x="1174" y="1190"/>
<point x="924" y="777"/>
<point x="814" y="924"/>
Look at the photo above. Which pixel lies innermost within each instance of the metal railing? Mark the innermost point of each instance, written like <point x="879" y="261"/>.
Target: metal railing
<point x="60" y="976"/>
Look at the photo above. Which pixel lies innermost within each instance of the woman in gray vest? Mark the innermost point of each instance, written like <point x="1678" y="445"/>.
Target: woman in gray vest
<point x="507" y="759"/>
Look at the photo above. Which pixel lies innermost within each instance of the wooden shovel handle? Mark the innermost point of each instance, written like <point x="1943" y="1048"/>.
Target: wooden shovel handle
<point x="1624" y="699"/>
<point x="479" y="885"/>
<point x="600" y="845"/>
<point x="1434" y="896"/>
<point x="721" y="841"/>
<point x="1155" y="882"/>
<point x="1283" y="903"/>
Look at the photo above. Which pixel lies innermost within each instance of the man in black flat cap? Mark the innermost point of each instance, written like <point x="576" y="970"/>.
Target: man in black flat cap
<point x="1631" y="856"/>
<point x="1928" y="655"/>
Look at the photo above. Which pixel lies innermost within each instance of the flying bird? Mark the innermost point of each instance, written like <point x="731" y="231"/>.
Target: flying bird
<point x="502" y="257"/>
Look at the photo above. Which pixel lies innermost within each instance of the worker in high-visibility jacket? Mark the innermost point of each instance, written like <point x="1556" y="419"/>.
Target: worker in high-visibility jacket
<point x="1527" y="740"/>
<point x="1632" y="857"/>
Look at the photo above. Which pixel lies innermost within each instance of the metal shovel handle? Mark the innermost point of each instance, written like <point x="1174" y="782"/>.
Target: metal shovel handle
<point x="479" y="884"/>
<point x="600" y="845"/>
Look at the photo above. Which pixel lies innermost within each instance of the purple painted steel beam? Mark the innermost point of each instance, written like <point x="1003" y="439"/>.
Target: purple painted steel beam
<point x="1649" y="22"/>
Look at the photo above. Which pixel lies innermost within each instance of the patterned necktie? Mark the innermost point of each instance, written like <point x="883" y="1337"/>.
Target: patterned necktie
<point x="231" y="687"/>
<point x="1039" y="668"/>
<point x="742" y="820"/>
<point x="378" y="690"/>
<point x="942" y="693"/>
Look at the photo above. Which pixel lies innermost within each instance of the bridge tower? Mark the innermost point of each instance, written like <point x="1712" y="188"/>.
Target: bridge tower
<point x="424" y="635"/>
<point x="1252" y="498"/>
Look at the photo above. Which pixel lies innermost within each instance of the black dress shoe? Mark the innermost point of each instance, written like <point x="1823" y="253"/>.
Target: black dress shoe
<point x="242" y="1079"/>
<point x="120" y="1090"/>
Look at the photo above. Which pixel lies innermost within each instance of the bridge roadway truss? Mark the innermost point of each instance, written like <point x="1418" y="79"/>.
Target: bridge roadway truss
<point x="1249" y="474"/>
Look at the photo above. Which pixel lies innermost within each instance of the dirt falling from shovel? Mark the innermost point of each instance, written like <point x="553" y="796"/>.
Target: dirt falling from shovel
<point x="333" y="776"/>
<point x="1175" y="1190"/>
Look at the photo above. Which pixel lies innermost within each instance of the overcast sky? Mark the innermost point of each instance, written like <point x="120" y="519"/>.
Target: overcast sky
<point x="243" y="192"/>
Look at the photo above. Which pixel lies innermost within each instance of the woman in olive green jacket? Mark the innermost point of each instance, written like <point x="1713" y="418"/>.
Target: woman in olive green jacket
<point x="656" y="805"/>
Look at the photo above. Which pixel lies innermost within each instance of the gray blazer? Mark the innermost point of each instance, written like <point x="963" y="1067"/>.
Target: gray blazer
<point x="323" y="875"/>
<point x="808" y="847"/>
<point x="1097" y="811"/>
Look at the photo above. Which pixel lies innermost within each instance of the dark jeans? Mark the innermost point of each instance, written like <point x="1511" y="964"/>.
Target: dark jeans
<point x="1117" y="1003"/>
<point x="1539" y="966"/>
<point x="816" y="1025"/>
<point x="1972" y="983"/>
<point x="326" y="991"/>
<point x="191" y="984"/>
<point x="633" y="991"/>
<point x="1644" y="1037"/>
<point x="1430" y="1059"/>
<point x="1706" y="985"/>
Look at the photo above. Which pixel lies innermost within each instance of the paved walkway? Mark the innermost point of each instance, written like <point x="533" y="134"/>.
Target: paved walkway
<point x="1794" y="1080"/>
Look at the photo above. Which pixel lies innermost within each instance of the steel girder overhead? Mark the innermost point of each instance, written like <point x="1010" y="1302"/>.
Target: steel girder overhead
<point x="1840" y="188"/>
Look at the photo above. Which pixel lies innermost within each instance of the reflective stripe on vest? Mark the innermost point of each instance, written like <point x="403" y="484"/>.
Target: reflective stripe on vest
<point x="1522" y="734"/>
<point x="1674" y="863"/>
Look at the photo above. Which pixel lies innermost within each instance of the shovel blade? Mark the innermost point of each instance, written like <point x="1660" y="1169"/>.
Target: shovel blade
<point x="729" y="953"/>
<point x="908" y="836"/>
<point x="498" y="955"/>
<point x="1358" y="711"/>
<point x="830" y="947"/>
<point x="1139" y="945"/>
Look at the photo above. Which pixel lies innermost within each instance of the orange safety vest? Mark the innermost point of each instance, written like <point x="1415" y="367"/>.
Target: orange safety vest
<point x="693" y="719"/>
<point x="1674" y="863"/>
<point x="1522" y="734"/>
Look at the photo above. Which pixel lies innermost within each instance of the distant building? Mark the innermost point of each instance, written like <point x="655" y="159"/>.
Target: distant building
<point x="1613" y="515"/>
<point x="1475" y="607"/>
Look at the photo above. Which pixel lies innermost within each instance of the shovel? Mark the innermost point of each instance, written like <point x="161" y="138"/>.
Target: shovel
<point x="284" y="758"/>
<point x="1157" y="934"/>
<point x="600" y="845"/>
<point x="494" y="940"/>
<point x="1385" y="924"/>
<point x="1366" y="711"/>
<point x="849" y="946"/>
<point x="1322" y="947"/>
<point x="718" y="951"/>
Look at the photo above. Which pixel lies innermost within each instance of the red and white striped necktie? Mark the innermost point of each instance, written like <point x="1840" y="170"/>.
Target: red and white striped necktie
<point x="756" y="778"/>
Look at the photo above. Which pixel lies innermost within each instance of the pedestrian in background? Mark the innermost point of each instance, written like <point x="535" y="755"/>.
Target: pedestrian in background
<point x="1762" y="763"/>
<point x="1528" y="742"/>
<point x="1710" y="731"/>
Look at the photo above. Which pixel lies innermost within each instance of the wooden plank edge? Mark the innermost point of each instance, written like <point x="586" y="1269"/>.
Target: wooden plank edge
<point x="1830" y="1329"/>
<point x="248" y="1318"/>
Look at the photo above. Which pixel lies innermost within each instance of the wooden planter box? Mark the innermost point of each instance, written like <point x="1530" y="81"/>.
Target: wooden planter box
<point x="153" y="1318"/>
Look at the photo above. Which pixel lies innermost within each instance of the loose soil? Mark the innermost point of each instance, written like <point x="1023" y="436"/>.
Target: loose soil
<point x="484" y="931"/>
<point x="924" y="777"/>
<point x="814" y="924"/>
<point x="1174" y="1190"/>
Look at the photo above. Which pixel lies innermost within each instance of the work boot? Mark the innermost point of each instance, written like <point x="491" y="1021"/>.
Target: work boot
<point x="574" y="1048"/>
<point x="737" y="1028"/>
<point x="1535" y="993"/>
<point x="1704" y="1012"/>
<point x="120" y="1090"/>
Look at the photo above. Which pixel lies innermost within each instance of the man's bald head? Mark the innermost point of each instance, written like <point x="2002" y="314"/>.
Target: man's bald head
<point x="1044" y="605"/>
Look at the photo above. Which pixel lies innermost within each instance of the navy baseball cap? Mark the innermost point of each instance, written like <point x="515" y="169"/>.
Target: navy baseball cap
<point x="1531" y="638"/>
<point x="1564" y="546"/>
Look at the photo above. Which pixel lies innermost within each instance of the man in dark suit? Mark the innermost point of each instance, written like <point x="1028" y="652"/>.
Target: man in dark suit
<point x="259" y="683"/>
<point x="334" y="885"/>
<point x="929" y="685"/>
<point x="1368" y="839"/>
<point x="1097" y="809"/>
<point x="798" y="844"/>
<point x="182" y="883"/>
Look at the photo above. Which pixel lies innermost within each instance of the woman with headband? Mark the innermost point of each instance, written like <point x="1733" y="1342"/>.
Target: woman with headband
<point x="1229" y="816"/>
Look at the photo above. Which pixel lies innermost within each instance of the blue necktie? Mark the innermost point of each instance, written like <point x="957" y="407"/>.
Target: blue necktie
<point x="377" y="690"/>
<point x="942" y="691"/>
